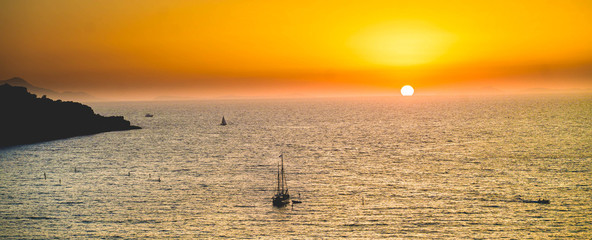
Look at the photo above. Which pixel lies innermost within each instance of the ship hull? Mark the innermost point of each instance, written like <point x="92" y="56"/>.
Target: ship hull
<point x="281" y="200"/>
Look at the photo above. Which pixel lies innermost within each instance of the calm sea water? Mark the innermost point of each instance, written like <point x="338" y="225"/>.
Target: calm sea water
<point x="419" y="167"/>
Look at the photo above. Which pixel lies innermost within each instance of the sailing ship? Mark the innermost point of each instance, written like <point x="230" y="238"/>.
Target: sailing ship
<point x="223" y="121"/>
<point x="281" y="197"/>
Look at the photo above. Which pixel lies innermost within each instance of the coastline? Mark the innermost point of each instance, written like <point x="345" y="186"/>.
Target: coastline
<point x="29" y="119"/>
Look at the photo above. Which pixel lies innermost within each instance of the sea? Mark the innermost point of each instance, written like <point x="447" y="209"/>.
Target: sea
<point x="421" y="167"/>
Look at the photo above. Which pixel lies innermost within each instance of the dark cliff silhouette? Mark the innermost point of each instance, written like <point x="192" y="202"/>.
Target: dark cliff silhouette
<point x="25" y="118"/>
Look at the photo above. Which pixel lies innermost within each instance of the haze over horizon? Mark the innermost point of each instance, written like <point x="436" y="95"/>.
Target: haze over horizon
<point x="146" y="49"/>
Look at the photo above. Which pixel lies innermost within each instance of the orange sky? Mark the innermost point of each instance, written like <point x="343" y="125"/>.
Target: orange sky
<point x="212" y="48"/>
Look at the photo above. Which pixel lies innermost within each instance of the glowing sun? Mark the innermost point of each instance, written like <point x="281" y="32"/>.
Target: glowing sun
<point x="407" y="90"/>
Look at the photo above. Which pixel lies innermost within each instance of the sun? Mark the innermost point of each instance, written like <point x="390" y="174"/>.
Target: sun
<point x="407" y="90"/>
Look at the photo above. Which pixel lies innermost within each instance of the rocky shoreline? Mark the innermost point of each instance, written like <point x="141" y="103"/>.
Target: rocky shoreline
<point x="25" y="118"/>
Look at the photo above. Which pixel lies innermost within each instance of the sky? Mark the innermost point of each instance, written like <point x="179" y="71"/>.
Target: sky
<point x="141" y="49"/>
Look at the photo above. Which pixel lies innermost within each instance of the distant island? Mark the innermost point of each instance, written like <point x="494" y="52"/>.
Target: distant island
<point x="66" y="96"/>
<point x="26" y="119"/>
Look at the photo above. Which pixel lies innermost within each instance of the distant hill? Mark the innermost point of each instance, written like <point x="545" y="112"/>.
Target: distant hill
<point x="28" y="119"/>
<point x="71" y="96"/>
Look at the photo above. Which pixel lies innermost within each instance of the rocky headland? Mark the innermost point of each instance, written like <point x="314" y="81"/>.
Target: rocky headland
<point x="25" y="118"/>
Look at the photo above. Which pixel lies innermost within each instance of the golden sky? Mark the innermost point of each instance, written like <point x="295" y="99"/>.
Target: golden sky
<point x="143" y="47"/>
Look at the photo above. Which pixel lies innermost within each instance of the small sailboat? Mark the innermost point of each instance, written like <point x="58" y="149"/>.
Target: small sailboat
<point x="223" y="122"/>
<point x="281" y="197"/>
<point x="540" y="201"/>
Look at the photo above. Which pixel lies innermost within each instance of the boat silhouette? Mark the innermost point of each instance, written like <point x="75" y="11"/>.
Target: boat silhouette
<point x="539" y="201"/>
<point x="223" y="122"/>
<point x="281" y="197"/>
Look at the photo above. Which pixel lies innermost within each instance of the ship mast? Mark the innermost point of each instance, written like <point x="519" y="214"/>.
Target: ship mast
<point x="278" y="179"/>
<point x="284" y="185"/>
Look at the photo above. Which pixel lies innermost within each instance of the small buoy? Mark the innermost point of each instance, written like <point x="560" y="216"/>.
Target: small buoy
<point x="158" y="179"/>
